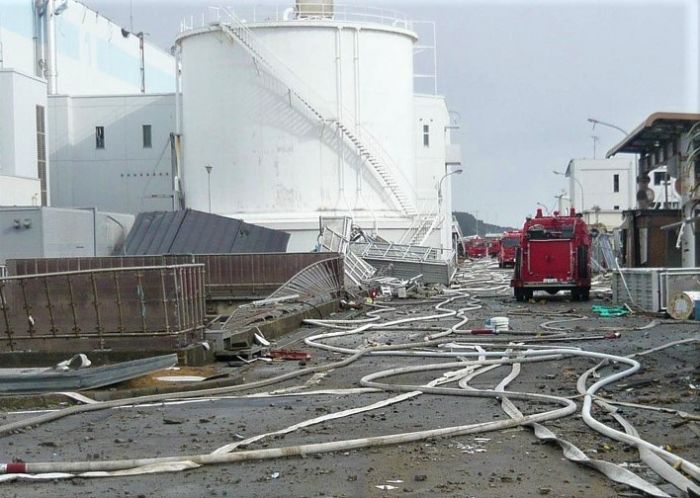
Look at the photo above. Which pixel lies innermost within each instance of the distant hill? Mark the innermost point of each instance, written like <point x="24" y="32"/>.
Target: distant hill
<point x="468" y="223"/>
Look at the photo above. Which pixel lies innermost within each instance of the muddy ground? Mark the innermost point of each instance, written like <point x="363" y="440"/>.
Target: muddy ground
<point x="508" y="463"/>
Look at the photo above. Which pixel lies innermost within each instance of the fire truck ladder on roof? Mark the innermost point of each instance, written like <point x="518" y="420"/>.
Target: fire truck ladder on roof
<point x="371" y="152"/>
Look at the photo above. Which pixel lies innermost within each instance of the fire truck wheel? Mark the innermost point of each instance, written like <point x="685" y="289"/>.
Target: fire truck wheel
<point x="585" y="294"/>
<point x="519" y="294"/>
<point x="581" y="293"/>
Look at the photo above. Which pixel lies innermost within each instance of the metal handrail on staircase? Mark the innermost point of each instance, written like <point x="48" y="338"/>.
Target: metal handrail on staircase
<point x="370" y="151"/>
<point x="422" y="226"/>
<point x="357" y="270"/>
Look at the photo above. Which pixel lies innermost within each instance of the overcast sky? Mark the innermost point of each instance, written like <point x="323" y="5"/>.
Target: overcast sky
<point x="523" y="76"/>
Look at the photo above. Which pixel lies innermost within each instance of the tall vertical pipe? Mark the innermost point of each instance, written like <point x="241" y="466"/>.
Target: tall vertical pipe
<point x="339" y="112"/>
<point x="356" y="88"/>
<point x="142" y="61"/>
<point x="177" y="156"/>
<point x="50" y="44"/>
<point x="37" y="8"/>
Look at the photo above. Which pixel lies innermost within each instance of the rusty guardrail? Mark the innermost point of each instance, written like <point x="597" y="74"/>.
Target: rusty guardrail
<point x="228" y="276"/>
<point x="146" y="307"/>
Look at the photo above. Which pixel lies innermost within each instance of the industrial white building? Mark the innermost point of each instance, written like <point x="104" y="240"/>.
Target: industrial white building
<point x="51" y="47"/>
<point x="278" y="122"/>
<point x="118" y="145"/>
<point x="601" y="189"/>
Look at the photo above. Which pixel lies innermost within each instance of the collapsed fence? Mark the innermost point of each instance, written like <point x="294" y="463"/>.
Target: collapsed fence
<point x="149" y="307"/>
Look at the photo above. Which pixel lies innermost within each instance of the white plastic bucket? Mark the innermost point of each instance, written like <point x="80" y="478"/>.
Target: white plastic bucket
<point x="498" y="323"/>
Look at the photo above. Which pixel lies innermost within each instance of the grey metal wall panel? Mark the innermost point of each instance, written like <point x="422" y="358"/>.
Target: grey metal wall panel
<point x="18" y="240"/>
<point x="252" y="238"/>
<point x="195" y="232"/>
<point x="68" y="232"/>
<point x="204" y="233"/>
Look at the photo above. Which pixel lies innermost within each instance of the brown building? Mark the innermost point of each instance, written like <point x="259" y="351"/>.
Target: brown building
<point x="645" y="243"/>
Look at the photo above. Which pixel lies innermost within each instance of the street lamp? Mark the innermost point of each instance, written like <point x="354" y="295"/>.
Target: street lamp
<point x="560" y="204"/>
<point x="209" y="168"/>
<point x="455" y="172"/>
<point x="625" y="133"/>
<point x="583" y="205"/>
<point x="609" y="125"/>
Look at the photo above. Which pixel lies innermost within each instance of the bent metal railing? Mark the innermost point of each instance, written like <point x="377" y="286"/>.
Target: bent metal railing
<point x="319" y="283"/>
<point x="149" y="307"/>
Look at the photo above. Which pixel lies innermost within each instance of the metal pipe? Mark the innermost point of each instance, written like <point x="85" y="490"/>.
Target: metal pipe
<point x="142" y="62"/>
<point x="50" y="55"/>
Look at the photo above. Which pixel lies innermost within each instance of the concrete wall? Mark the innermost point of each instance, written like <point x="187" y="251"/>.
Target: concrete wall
<point x="17" y="27"/>
<point x="20" y="233"/>
<point x="19" y="96"/>
<point x="93" y="55"/>
<point x="67" y="232"/>
<point x="18" y="191"/>
<point x="124" y="176"/>
<point x="47" y="232"/>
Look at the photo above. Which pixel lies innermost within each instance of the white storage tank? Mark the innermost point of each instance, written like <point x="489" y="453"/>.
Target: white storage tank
<point x="273" y="161"/>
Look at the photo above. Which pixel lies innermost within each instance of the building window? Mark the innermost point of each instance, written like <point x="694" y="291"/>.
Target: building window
<point x="146" y="132"/>
<point x="41" y="151"/>
<point x="616" y="183"/>
<point x="99" y="137"/>
<point x="426" y="135"/>
<point x="659" y="177"/>
<point x="616" y="208"/>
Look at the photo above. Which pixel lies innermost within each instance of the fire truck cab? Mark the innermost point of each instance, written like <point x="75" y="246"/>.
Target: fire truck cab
<point x="554" y="255"/>
<point x="508" y="248"/>
<point x="475" y="247"/>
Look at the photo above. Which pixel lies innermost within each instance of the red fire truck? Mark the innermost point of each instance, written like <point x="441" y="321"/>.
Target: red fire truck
<point x="554" y="255"/>
<point x="509" y="246"/>
<point x="475" y="247"/>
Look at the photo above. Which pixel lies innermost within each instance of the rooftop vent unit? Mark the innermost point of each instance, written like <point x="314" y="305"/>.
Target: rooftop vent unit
<point x="314" y="9"/>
